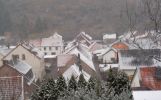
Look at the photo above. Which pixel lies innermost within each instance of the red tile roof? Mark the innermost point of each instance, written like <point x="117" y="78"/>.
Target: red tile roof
<point x="149" y="79"/>
<point x="11" y="87"/>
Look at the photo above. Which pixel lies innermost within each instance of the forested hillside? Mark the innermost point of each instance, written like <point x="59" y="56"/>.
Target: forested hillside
<point x="36" y="18"/>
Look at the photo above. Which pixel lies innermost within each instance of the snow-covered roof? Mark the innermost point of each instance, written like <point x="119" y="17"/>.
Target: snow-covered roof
<point x="36" y="43"/>
<point x="50" y="56"/>
<point x="5" y="50"/>
<point x="109" y="36"/>
<point x="103" y="51"/>
<point x="55" y="40"/>
<point x="62" y="60"/>
<point x="130" y="59"/>
<point x="105" y="67"/>
<point x="34" y="50"/>
<point x="21" y="66"/>
<point x="70" y="44"/>
<point x="74" y="70"/>
<point x="95" y="46"/>
<point x="39" y="53"/>
<point x="84" y="38"/>
<point x="147" y="95"/>
<point x="89" y="37"/>
<point x="84" y="56"/>
<point x="99" y="51"/>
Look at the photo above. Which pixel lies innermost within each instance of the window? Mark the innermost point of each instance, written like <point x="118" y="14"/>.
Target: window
<point x="53" y="53"/>
<point x="50" y="48"/>
<point x="44" y="48"/>
<point x="15" y="57"/>
<point x="23" y="57"/>
<point x="45" y="53"/>
<point x="56" y="48"/>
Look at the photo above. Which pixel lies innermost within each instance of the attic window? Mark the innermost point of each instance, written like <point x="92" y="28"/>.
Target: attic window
<point x="14" y="57"/>
<point x="23" y="57"/>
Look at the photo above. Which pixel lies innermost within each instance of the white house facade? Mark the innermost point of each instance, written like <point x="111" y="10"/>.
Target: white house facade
<point x="52" y="45"/>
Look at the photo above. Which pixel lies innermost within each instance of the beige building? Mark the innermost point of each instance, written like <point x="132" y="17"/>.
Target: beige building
<point x="31" y="56"/>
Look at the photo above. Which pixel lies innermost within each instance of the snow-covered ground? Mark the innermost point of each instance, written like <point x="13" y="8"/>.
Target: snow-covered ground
<point x="147" y="95"/>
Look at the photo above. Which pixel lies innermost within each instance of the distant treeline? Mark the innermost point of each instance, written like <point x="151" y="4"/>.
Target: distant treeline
<point x="32" y="18"/>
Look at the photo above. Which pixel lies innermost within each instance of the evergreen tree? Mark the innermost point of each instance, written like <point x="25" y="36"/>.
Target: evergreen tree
<point x="111" y="76"/>
<point x="121" y="82"/>
<point x="72" y="85"/>
<point x="61" y="84"/>
<point x="117" y="80"/>
<point x="47" y="91"/>
<point x="91" y="84"/>
<point x="118" y="89"/>
<point x="82" y="82"/>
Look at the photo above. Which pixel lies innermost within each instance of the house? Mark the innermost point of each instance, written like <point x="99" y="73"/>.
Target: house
<point x="151" y="77"/>
<point x="84" y="39"/>
<point x="70" y="64"/>
<point x="52" y="45"/>
<point x="36" y="42"/>
<point x="17" y="80"/>
<point x="95" y="46"/>
<point x="85" y="55"/>
<point x="76" y="54"/>
<point x="107" y="55"/>
<point x="109" y="38"/>
<point x="31" y="56"/>
<point x="129" y="60"/>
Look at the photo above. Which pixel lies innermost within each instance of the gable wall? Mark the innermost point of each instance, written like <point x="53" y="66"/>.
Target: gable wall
<point x="108" y="56"/>
<point x="36" y="63"/>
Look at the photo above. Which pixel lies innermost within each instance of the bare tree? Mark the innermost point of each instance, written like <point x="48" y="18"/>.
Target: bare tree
<point x="149" y="11"/>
